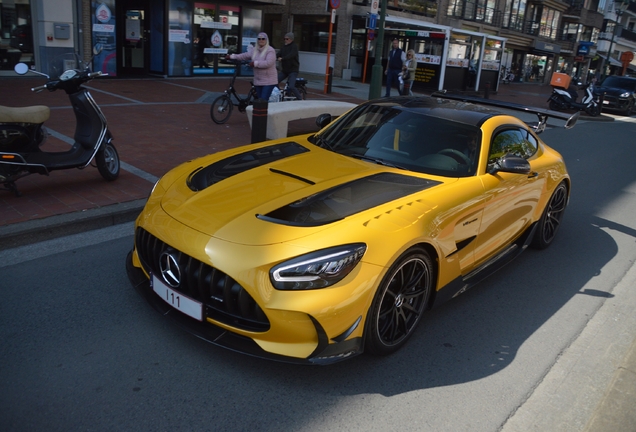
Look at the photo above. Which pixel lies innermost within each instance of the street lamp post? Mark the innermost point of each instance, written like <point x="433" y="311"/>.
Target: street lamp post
<point x="618" y="12"/>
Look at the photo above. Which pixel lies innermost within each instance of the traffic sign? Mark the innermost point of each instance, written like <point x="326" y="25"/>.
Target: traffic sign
<point x="374" y="6"/>
<point x="371" y="35"/>
<point x="335" y="4"/>
<point x="373" y="20"/>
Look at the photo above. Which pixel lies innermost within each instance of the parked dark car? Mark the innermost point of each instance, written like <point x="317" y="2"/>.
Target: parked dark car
<point x="620" y="94"/>
<point x="22" y="38"/>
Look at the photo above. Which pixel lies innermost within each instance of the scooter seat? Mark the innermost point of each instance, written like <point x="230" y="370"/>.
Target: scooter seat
<point x="33" y="114"/>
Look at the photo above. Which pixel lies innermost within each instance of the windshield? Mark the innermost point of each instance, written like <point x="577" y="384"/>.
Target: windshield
<point x="60" y="64"/>
<point x="392" y="135"/>
<point x="620" y="82"/>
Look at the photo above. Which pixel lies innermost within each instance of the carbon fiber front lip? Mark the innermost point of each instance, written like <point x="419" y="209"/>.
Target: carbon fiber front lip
<point x="331" y="353"/>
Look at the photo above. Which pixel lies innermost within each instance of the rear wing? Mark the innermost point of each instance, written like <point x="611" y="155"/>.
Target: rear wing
<point x="542" y="113"/>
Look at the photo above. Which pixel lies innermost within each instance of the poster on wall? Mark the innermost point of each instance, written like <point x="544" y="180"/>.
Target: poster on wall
<point x="103" y="26"/>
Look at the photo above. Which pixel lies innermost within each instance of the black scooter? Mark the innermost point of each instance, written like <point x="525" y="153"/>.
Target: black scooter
<point x="22" y="131"/>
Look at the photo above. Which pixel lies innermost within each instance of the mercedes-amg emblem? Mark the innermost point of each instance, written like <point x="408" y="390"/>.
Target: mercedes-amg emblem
<point x="170" y="271"/>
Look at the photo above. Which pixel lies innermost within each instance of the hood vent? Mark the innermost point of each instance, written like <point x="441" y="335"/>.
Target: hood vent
<point x="206" y="177"/>
<point x="347" y="199"/>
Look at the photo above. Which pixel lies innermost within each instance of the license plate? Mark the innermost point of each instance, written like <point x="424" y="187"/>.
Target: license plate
<point x="177" y="300"/>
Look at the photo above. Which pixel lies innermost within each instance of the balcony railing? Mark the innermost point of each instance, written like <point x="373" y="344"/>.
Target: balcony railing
<point x="626" y="34"/>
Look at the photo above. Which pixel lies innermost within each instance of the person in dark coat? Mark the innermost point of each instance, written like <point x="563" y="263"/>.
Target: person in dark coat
<point x="290" y="64"/>
<point x="397" y="57"/>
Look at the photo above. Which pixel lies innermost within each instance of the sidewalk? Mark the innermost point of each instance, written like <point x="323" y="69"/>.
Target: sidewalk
<point x="159" y="123"/>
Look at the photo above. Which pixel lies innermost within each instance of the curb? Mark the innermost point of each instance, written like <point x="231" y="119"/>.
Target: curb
<point x="24" y="233"/>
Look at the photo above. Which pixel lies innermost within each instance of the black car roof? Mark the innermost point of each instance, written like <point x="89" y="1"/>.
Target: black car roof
<point x="457" y="111"/>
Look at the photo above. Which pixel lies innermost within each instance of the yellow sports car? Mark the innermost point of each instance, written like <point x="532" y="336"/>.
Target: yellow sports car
<point x="315" y="248"/>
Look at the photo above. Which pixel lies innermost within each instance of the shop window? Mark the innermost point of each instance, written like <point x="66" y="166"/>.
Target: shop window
<point x="315" y="34"/>
<point x="16" y="34"/>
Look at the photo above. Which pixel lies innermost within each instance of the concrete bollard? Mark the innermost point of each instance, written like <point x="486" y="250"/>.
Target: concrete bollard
<point x="259" y="121"/>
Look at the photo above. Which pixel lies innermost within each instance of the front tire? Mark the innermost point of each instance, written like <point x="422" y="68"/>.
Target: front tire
<point x="593" y="110"/>
<point x="399" y="302"/>
<point x="107" y="160"/>
<point x="551" y="218"/>
<point x="221" y="109"/>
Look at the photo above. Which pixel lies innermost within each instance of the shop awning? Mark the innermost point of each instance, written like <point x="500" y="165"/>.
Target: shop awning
<point x="612" y="61"/>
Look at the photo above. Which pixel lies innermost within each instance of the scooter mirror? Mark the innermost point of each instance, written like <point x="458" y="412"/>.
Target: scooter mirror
<point x="21" y="68"/>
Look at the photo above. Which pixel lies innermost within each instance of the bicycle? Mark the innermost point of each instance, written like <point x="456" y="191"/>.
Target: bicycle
<point x="222" y="106"/>
<point x="301" y="84"/>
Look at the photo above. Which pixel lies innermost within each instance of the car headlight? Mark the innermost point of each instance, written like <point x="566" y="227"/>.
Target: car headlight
<point x="318" y="269"/>
<point x="624" y="95"/>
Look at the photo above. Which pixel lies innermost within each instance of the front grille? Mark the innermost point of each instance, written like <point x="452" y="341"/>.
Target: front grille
<point x="225" y="299"/>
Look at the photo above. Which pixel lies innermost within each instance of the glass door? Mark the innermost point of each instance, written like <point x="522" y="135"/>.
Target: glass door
<point x="135" y="46"/>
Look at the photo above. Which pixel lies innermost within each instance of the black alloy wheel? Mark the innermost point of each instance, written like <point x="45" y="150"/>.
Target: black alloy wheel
<point x="551" y="218"/>
<point x="399" y="302"/>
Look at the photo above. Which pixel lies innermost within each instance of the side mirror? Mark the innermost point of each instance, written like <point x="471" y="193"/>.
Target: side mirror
<point x="21" y="68"/>
<point x="323" y="120"/>
<point x="511" y="164"/>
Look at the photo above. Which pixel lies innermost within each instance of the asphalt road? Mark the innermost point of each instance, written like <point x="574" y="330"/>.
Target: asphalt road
<point x="82" y="351"/>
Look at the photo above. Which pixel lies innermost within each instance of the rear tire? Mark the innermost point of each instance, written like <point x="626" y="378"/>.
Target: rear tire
<point x="400" y="302"/>
<point x="303" y="92"/>
<point x="221" y="109"/>
<point x="555" y="106"/>
<point x="551" y="218"/>
<point x="107" y="160"/>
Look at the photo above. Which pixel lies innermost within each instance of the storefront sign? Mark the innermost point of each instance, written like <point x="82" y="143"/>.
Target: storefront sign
<point x="216" y="25"/>
<point x="583" y="48"/>
<point x="548" y="47"/>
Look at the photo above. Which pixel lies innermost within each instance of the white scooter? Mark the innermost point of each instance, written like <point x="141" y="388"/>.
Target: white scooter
<point x="562" y="99"/>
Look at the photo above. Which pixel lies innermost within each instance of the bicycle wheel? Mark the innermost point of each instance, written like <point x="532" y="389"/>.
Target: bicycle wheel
<point x="221" y="109"/>
<point x="303" y="92"/>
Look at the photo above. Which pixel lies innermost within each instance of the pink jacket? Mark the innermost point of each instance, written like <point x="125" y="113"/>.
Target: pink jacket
<point x="265" y="72"/>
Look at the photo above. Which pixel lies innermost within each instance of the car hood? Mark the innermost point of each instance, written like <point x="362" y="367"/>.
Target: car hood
<point x="281" y="192"/>
<point x="612" y="91"/>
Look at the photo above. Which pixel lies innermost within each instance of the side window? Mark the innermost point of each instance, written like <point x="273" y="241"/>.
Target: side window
<point x="518" y="142"/>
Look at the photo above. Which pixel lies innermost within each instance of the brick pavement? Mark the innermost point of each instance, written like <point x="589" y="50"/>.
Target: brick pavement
<point x="157" y="123"/>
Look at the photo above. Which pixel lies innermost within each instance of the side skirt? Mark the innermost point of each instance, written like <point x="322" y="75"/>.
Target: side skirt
<point x="465" y="282"/>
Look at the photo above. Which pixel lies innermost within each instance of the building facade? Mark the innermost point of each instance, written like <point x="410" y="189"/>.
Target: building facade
<point x="459" y="44"/>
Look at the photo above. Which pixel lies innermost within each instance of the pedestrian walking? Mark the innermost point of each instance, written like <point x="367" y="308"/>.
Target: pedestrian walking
<point x="397" y="57"/>
<point x="263" y="60"/>
<point x="290" y="64"/>
<point x="408" y="73"/>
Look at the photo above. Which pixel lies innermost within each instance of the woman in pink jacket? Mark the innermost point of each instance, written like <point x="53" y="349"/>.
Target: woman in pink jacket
<point x="263" y="60"/>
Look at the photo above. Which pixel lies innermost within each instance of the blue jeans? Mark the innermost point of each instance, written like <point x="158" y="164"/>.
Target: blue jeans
<point x="392" y="77"/>
<point x="264" y="92"/>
